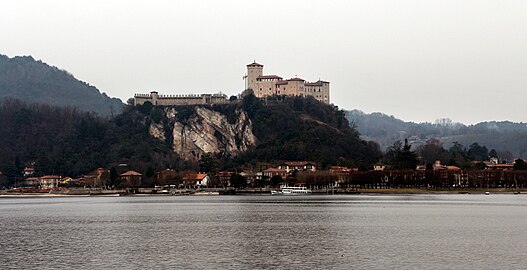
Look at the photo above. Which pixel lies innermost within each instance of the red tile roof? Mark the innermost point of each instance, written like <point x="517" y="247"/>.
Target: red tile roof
<point x="50" y="177"/>
<point x="281" y="82"/>
<point x="269" y="77"/>
<point x="298" y="163"/>
<point x="274" y="170"/>
<point x="199" y="176"/>
<point x="130" y="173"/>
<point x="296" y="79"/>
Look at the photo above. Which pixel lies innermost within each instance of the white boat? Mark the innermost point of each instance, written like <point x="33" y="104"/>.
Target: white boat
<point x="286" y="190"/>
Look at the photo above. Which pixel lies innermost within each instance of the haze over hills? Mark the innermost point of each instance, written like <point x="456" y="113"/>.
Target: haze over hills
<point x="24" y="78"/>
<point x="504" y="136"/>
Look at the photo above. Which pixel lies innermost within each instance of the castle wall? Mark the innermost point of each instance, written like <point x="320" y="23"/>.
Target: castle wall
<point x="174" y="100"/>
<point x="265" y="87"/>
<point x="319" y="90"/>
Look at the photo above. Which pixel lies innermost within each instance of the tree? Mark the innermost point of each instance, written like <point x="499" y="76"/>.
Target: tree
<point x="393" y="152"/>
<point x="478" y="152"/>
<point x="408" y="158"/>
<point x="233" y="98"/>
<point x="458" y="155"/>
<point x="277" y="179"/>
<point x="493" y="154"/>
<point x="238" y="181"/>
<point x="401" y="156"/>
<point x="114" y="176"/>
<point x="520" y="165"/>
<point x="433" y="150"/>
<point x="208" y="163"/>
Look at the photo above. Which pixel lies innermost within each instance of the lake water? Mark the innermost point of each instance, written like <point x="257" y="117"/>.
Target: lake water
<point x="265" y="232"/>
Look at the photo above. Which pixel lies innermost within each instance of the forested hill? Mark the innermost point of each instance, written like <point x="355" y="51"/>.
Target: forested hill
<point x="24" y="78"/>
<point x="69" y="142"/>
<point x="503" y="136"/>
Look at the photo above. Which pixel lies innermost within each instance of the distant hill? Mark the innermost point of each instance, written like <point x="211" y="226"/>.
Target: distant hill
<point x="503" y="136"/>
<point x="24" y="78"/>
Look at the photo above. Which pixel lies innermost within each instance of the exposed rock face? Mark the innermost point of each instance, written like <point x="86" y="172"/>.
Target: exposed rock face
<point x="207" y="131"/>
<point x="156" y="131"/>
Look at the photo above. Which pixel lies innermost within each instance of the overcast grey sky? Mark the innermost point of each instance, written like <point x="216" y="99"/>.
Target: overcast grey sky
<point x="419" y="60"/>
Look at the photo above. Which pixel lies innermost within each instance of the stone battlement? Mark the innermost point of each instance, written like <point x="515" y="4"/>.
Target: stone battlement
<point x="187" y="99"/>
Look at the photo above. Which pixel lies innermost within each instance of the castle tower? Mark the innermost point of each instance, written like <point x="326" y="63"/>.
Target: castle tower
<point x="154" y="96"/>
<point x="254" y="70"/>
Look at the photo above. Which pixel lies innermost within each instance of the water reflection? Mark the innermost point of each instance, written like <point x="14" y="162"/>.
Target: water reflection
<point x="262" y="232"/>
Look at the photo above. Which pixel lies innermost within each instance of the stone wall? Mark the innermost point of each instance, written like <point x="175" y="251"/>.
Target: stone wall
<point x="171" y="100"/>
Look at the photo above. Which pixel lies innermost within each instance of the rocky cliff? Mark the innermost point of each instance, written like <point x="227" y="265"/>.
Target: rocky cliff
<point x="249" y="131"/>
<point x="204" y="130"/>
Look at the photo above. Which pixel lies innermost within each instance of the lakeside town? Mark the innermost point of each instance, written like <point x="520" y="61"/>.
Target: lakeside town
<point x="334" y="179"/>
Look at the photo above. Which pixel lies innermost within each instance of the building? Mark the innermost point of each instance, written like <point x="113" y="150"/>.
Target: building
<point x="269" y="85"/>
<point x="270" y="172"/>
<point x="379" y="167"/>
<point x="131" y="178"/>
<point x="28" y="171"/>
<point x="49" y="181"/>
<point x="173" y="100"/>
<point x="289" y="166"/>
<point x="196" y="180"/>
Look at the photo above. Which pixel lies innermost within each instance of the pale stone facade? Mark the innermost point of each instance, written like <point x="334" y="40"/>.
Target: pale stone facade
<point x="268" y="85"/>
<point x="171" y="100"/>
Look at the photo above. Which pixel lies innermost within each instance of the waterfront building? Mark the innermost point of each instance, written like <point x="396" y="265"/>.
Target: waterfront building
<point x="49" y="181"/>
<point x="132" y="178"/>
<point x="289" y="166"/>
<point x="196" y="180"/>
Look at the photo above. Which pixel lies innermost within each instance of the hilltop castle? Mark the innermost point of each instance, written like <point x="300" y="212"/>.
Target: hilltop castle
<point x="262" y="86"/>
<point x="269" y="85"/>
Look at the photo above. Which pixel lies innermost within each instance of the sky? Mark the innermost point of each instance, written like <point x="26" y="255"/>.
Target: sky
<point x="418" y="60"/>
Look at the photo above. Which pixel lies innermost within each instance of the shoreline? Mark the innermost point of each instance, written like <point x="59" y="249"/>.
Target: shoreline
<point x="402" y="191"/>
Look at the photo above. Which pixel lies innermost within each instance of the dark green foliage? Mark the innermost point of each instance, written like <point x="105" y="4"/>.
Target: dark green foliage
<point x="296" y="128"/>
<point x="209" y="163"/>
<point x="68" y="142"/>
<point x="114" y="175"/>
<point x="478" y="152"/>
<point x="277" y="179"/>
<point x="520" y="164"/>
<point x="493" y="153"/>
<point x="36" y="82"/>
<point x="401" y="156"/>
<point x="238" y="181"/>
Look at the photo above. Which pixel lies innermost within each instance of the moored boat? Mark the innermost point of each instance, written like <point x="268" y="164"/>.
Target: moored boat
<point x="287" y="190"/>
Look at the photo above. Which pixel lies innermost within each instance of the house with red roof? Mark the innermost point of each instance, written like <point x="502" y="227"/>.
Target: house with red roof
<point x="131" y="178"/>
<point x="289" y="166"/>
<point x="196" y="180"/>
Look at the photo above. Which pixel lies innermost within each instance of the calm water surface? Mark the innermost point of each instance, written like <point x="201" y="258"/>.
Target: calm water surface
<point x="265" y="232"/>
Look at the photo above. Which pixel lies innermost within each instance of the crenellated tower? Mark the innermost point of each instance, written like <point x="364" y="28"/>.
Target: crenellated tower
<point x="254" y="70"/>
